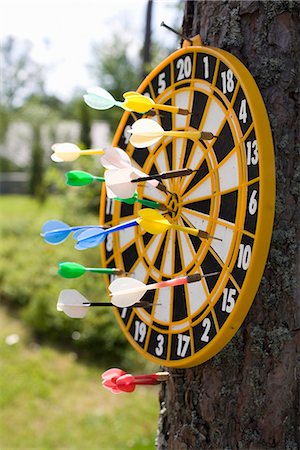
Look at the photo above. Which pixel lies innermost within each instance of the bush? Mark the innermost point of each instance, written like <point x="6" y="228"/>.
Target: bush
<point x="30" y="284"/>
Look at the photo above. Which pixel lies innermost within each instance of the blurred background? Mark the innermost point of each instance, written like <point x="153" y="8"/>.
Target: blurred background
<point x="51" y="51"/>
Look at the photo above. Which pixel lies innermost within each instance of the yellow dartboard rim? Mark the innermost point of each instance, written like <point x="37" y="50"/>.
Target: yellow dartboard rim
<point x="266" y="209"/>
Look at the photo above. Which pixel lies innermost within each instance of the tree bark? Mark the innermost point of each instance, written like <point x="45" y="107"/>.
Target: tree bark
<point x="247" y="396"/>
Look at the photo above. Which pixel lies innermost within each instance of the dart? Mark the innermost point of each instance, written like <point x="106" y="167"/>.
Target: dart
<point x="99" y="98"/>
<point x="119" y="183"/>
<point x="147" y="132"/>
<point x="116" y="158"/>
<point x="70" y="152"/>
<point x="74" y="270"/>
<point x="55" y="231"/>
<point x="118" y="381"/>
<point x="142" y="104"/>
<point x="144" y="202"/>
<point x="81" y="178"/>
<point x="153" y="222"/>
<point x="127" y="291"/>
<point x="165" y="175"/>
<point x="94" y="236"/>
<point x="75" y="305"/>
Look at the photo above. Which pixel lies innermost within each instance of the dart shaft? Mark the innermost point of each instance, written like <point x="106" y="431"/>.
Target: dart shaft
<point x="190" y="134"/>
<point x="188" y="230"/>
<point x="179" y="281"/>
<point x="168" y="108"/>
<point x="92" y="152"/>
<point x="172" y="109"/>
<point x="148" y="203"/>
<point x="111" y="305"/>
<point x="122" y="226"/>
<point x="109" y="271"/>
<point x="164" y="175"/>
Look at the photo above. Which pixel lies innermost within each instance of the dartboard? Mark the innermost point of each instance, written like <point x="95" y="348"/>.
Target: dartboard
<point x="231" y="196"/>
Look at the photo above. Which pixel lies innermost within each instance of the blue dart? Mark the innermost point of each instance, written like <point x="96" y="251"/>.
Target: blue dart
<point x="55" y="231"/>
<point x="94" y="236"/>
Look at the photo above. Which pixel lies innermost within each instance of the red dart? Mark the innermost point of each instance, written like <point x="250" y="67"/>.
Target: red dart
<point x="117" y="381"/>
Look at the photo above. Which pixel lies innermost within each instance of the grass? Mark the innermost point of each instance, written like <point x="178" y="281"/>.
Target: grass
<point x="50" y="400"/>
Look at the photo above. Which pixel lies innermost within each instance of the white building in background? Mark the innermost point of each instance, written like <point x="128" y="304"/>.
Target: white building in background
<point x="18" y="141"/>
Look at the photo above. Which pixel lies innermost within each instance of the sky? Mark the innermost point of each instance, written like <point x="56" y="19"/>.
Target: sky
<point x="62" y="32"/>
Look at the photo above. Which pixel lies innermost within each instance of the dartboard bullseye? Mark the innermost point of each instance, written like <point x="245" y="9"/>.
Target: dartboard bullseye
<point x="230" y="196"/>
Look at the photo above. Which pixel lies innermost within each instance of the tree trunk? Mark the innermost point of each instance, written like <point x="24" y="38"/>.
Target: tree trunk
<point x="147" y="40"/>
<point x="247" y="397"/>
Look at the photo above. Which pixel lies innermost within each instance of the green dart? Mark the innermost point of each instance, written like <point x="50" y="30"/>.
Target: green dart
<point x="144" y="202"/>
<point x="73" y="270"/>
<point x="81" y="178"/>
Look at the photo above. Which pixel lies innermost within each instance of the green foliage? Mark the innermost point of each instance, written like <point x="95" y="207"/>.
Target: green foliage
<point x="29" y="280"/>
<point x="117" y="71"/>
<point x="50" y="400"/>
<point x="85" y="125"/>
<point x="36" y="184"/>
<point x="9" y="166"/>
<point x="20" y="75"/>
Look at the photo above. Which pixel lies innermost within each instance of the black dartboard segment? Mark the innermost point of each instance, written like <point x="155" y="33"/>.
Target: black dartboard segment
<point x="230" y="196"/>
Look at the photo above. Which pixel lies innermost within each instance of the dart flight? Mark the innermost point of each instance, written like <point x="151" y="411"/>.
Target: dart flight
<point x="70" y="152"/>
<point x="55" y="231"/>
<point x="147" y="132"/>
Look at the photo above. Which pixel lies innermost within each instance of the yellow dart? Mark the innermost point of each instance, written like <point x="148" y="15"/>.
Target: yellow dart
<point x="66" y="151"/>
<point x="153" y="222"/>
<point x="146" y="132"/>
<point x="142" y="104"/>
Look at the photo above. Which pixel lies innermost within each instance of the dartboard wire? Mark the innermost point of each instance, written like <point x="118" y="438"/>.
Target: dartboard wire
<point x="227" y="112"/>
<point x="204" y="116"/>
<point x="172" y="239"/>
<point x="184" y="140"/>
<point x="184" y="269"/>
<point x="237" y="287"/>
<point x="186" y="295"/>
<point x="204" y="242"/>
<point x="147" y="338"/>
<point x="208" y="103"/>
<point x="185" y="182"/>
<point x="209" y="295"/>
<point x="237" y="235"/>
<point x="198" y="268"/>
<point x="153" y="311"/>
<point x="215" y="170"/>
<point x="144" y="251"/>
<point x="197" y="214"/>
